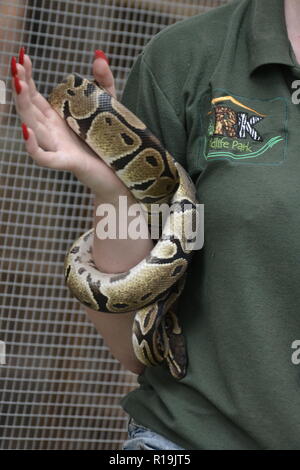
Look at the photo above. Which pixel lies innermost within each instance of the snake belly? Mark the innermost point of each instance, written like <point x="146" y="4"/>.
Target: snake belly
<point x="151" y="288"/>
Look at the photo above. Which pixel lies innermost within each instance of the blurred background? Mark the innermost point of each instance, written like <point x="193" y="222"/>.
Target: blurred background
<point x="59" y="387"/>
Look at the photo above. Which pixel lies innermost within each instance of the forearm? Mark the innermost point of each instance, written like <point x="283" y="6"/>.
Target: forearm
<point x="113" y="256"/>
<point x="116" y="331"/>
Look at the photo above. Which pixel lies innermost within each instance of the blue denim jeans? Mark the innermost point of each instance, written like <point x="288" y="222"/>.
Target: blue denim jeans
<point x="142" y="438"/>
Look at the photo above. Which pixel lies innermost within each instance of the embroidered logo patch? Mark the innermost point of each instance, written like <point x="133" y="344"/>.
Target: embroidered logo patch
<point x="246" y="130"/>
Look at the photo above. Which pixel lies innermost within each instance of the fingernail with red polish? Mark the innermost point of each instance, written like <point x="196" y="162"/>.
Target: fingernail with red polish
<point x="25" y="131"/>
<point x="21" y="55"/>
<point x="13" y="65"/>
<point x="100" y="55"/>
<point x="17" y="84"/>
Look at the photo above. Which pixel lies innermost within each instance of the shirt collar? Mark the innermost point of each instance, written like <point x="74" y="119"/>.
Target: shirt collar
<point x="267" y="39"/>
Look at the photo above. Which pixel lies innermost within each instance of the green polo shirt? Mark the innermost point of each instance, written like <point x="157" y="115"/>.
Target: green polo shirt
<point x="216" y="89"/>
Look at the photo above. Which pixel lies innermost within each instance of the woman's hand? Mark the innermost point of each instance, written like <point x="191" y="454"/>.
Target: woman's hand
<point x="50" y="141"/>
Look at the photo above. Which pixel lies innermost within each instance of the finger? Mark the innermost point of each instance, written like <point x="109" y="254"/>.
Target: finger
<point x="103" y="74"/>
<point x="40" y="102"/>
<point x="24" y="72"/>
<point x="24" y="105"/>
<point x="40" y="156"/>
<point x="32" y="116"/>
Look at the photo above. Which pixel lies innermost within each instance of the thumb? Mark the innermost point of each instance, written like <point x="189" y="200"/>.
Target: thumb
<point x="102" y="73"/>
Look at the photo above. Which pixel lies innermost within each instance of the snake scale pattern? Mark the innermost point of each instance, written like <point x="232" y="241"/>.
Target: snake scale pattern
<point x="151" y="288"/>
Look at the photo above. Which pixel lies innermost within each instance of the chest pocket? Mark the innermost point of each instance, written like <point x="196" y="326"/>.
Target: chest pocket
<point x="242" y="130"/>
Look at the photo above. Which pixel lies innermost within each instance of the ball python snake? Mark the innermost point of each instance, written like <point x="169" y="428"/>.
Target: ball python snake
<point x="151" y="288"/>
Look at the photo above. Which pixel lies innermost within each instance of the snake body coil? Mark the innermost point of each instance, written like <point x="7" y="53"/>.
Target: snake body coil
<point x="152" y="287"/>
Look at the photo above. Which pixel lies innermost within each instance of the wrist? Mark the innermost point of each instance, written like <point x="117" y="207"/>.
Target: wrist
<point x="100" y="179"/>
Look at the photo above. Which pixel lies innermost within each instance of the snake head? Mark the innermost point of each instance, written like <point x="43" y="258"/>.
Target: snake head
<point x="75" y="97"/>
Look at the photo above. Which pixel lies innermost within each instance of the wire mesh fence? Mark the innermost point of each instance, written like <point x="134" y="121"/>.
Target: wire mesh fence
<point x="60" y="386"/>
